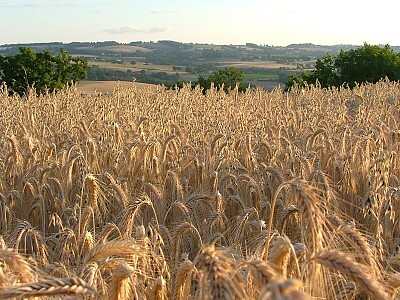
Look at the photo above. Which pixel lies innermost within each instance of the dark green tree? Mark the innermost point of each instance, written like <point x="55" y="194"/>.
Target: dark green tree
<point x="325" y="72"/>
<point x="41" y="70"/>
<point x="228" y="79"/>
<point x="300" y="79"/>
<point x="368" y="63"/>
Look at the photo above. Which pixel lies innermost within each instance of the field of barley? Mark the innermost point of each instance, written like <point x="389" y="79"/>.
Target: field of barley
<point x="162" y="194"/>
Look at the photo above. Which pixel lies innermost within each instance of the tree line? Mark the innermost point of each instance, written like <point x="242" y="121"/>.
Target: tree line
<point x="369" y="63"/>
<point x="47" y="73"/>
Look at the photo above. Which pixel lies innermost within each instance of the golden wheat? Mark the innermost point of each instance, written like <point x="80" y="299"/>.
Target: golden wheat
<point x="265" y="195"/>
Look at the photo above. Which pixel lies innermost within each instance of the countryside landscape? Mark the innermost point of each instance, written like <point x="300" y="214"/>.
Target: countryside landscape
<point x="141" y="191"/>
<point x="166" y="62"/>
<point x="205" y="150"/>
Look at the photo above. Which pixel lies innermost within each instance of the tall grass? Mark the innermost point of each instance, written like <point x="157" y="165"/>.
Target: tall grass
<point x="161" y="194"/>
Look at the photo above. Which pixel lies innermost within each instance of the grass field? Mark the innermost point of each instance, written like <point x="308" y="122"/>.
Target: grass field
<point x="126" y="48"/>
<point x="253" y="76"/>
<point x="257" y="64"/>
<point x="164" y="194"/>
<point x="135" y="68"/>
<point x="267" y="81"/>
<point x="266" y="84"/>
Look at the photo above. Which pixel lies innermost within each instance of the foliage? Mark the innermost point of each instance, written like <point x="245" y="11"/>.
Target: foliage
<point x="41" y="70"/>
<point x="369" y="63"/>
<point x="226" y="79"/>
<point x="104" y="74"/>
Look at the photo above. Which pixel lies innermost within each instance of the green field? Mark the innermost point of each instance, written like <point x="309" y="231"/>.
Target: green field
<point x="124" y="66"/>
<point x="262" y="64"/>
<point x="260" y="77"/>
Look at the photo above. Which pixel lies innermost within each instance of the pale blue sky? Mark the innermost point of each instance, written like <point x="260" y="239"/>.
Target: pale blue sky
<point x="272" y="22"/>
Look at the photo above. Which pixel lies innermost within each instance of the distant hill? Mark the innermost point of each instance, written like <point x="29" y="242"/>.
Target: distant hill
<point x="108" y="48"/>
<point x="178" y="54"/>
<point x="165" y="61"/>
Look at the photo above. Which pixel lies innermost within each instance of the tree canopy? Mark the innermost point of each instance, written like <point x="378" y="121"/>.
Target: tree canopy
<point x="369" y="63"/>
<point x="226" y="79"/>
<point x="41" y="70"/>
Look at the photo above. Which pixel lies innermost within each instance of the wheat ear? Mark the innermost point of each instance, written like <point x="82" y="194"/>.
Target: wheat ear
<point x="17" y="264"/>
<point x="359" y="273"/>
<point x="183" y="279"/>
<point x="279" y="255"/>
<point x="121" y="284"/>
<point x="221" y="280"/>
<point x="119" y="248"/>
<point x="358" y="240"/>
<point x="284" y="290"/>
<point x="60" y="286"/>
<point x="159" y="289"/>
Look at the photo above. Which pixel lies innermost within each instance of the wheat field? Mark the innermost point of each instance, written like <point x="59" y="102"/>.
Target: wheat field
<point x="162" y="194"/>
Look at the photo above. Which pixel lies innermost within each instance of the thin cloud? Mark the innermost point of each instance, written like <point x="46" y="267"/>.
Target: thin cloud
<point x="169" y="11"/>
<point x="103" y="12"/>
<point x="132" y="29"/>
<point x="12" y="4"/>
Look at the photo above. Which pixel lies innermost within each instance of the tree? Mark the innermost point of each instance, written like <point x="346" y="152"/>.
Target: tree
<point x="228" y="79"/>
<point x="368" y="64"/>
<point x="41" y="70"/>
<point x="300" y="79"/>
<point x="365" y="64"/>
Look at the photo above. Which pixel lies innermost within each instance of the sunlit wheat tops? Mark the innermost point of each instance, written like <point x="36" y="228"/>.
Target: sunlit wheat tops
<point x="161" y="194"/>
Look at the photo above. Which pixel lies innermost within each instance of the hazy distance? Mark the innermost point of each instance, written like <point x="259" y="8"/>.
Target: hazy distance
<point x="269" y="22"/>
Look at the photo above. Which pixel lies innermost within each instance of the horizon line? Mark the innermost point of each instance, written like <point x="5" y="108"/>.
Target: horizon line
<point x="195" y="43"/>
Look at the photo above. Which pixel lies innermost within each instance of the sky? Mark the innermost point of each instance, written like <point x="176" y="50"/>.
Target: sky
<point x="265" y="22"/>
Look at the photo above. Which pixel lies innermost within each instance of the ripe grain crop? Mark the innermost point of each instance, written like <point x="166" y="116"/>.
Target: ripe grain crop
<point x="162" y="194"/>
